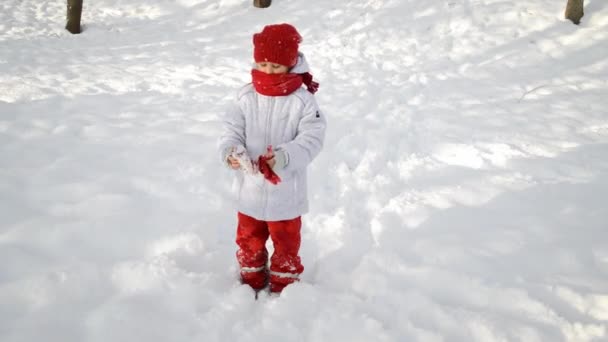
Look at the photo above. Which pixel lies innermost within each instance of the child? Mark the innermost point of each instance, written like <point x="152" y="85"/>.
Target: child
<point x="270" y="136"/>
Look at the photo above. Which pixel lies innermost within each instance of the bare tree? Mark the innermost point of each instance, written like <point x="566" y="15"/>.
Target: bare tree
<point x="73" y="16"/>
<point x="574" y="11"/>
<point x="262" y="3"/>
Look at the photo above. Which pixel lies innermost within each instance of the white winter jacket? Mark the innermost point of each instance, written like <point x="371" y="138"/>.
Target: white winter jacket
<point x="293" y="125"/>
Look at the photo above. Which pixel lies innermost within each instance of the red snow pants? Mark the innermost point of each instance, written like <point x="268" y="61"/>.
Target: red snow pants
<point x="252" y="255"/>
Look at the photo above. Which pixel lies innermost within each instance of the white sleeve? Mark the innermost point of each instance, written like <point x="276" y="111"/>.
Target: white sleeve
<point x="309" y="138"/>
<point x="233" y="131"/>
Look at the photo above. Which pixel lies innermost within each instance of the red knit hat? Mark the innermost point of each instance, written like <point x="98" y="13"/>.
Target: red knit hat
<point x="277" y="44"/>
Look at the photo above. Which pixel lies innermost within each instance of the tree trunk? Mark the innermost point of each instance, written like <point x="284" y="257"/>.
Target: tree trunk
<point x="574" y="11"/>
<point x="73" y="17"/>
<point x="262" y="3"/>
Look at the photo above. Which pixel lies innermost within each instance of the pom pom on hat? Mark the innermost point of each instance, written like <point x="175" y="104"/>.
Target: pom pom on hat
<point x="277" y="44"/>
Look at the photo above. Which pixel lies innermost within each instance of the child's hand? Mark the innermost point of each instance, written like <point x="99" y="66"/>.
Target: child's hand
<point x="233" y="163"/>
<point x="269" y="156"/>
<point x="265" y="163"/>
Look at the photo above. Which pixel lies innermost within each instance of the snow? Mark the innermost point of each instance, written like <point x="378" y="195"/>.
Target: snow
<point x="460" y="195"/>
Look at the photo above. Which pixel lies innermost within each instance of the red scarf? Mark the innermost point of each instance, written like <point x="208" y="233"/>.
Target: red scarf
<point x="281" y="84"/>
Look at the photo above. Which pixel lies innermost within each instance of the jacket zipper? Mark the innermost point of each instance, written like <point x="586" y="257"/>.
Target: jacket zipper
<point x="266" y="141"/>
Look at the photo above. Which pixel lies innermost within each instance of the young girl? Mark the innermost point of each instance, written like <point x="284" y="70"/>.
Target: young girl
<point x="274" y="130"/>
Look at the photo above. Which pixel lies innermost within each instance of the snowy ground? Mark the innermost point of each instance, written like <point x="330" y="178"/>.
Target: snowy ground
<point x="460" y="196"/>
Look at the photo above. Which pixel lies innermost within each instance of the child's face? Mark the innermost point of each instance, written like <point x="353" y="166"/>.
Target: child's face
<point x="271" y="68"/>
